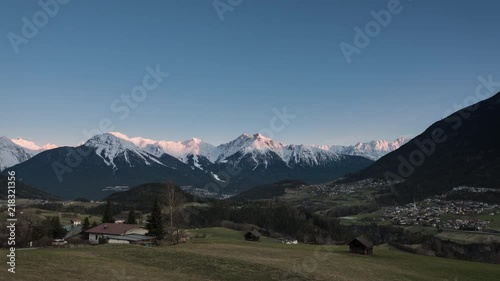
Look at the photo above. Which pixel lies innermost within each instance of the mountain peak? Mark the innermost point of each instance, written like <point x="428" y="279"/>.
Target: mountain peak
<point x="373" y="150"/>
<point x="5" y="139"/>
<point x="400" y="141"/>
<point x="256" y="137"/>
<point x="31" y="145"/>
<point x="117" y="140"/>
<point x="260" y="136"/>
<point x="109" y="146"/>
<point x="11" y="153"/>
<point x="192" y="141"/>
<point x="119" y="135"/>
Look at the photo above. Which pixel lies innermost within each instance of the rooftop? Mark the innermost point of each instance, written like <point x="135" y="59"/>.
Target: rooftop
<point x="113" y="228"/>
<point x="131" y="237"/>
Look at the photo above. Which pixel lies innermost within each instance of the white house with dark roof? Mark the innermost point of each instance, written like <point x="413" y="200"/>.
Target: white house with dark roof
<point x="114" y="229"/>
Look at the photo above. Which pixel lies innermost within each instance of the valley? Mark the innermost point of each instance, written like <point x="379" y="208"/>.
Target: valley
<point x="224" y="255"/>
<point x="233" y="140"/>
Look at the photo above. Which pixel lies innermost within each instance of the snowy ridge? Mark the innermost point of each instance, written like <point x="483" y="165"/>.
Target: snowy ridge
<point x="31" y="145"/>
<point x="180" y="150"/>
<point x="310" y="155"/>
<point x="108" y="146"/>
<point x="249" y="144"/>
<point x="15" y="151"/>
<point x="373" y="150"/>
<point x="258" y="148"/>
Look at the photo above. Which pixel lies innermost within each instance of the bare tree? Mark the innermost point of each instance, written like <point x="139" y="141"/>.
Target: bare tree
<point x="28" y="219"/>
<point x="174" y="202"/>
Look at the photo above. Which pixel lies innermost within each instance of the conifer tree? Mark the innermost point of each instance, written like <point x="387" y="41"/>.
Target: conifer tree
<point x="106" y="216"/>
<point x="131" y="219"/>
<point x="86" y="224"/>
<point x="154" y="223"/>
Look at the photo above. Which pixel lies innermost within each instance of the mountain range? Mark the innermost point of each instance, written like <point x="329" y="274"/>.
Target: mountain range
<point x="462" y="149"/>
<point x="113" y="159"/>
<point x="15" y="151"/>
<point x="373" y="150"/>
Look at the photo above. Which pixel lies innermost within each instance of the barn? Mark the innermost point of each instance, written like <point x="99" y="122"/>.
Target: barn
<point x="253" y="235"/>
<point x="361" y="245"/>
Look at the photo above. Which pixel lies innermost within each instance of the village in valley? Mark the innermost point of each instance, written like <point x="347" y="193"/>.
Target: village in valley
<point x="433" y="212"/>
<point x="439" y="211"/>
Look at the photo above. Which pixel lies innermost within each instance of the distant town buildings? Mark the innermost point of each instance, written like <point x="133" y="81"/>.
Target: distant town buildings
<point x="434" y="212"/>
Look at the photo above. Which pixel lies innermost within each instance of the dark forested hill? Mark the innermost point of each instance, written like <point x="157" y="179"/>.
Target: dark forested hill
<point x="462" y="149"/>
<point x="24" y="191"/>
<point x="268" y="191"/>
<point x="143" y="196"/>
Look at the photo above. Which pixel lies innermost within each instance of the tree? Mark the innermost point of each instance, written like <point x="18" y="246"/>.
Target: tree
<point x="28" y="220"/>
<point x="94" y="224"/>
<point x="55" y="229"/>
<point x="154" y="223"/>
<point x="106" y="216"/>
<point x="131" y="219"/>
<point x="86" y="224"/>
<point x="174" y="201"/>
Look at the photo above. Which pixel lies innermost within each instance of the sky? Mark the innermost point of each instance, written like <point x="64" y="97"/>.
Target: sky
<point x="234" y="66"/>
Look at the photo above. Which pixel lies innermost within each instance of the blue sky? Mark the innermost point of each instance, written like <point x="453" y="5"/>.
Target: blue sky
<point x="226" y="77"/>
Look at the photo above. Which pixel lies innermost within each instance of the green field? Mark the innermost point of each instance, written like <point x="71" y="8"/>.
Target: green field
<point x="468" y="237"/>
<point x="322" y="203"/>
<point x="224" y="255"/>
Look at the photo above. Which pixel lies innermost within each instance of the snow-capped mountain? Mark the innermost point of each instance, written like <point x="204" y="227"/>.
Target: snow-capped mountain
<point x="15" y="151"/>
<point x="109" y="147"/>
<point x="263" y="149"/>
<point x="258" y="146"/>
<point x="373" y="150"/>
<point x="198" y="153"/>
<point x="255" y="148"/>
<point x="184" y="151"/>
<point x="113" y="159"/>
<point x="31" y="145"/>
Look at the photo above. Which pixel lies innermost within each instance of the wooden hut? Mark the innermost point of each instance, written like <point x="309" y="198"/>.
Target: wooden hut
<point x="253" y="235"/>
<point x="361" y="245"/>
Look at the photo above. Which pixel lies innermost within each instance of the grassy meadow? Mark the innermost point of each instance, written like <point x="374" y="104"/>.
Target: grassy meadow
<point x="224" y="255"/>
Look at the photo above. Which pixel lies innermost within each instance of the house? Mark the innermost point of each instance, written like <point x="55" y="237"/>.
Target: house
<point x="361" y="245"/>
<point x="73" y="231"/>
<point x="107" y="229"/>
<point x="131" y="239"/>
<point x="253" y="235"/>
